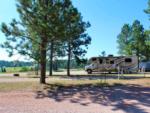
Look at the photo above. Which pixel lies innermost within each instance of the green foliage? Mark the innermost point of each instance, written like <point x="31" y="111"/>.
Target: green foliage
<point x="75" y="64"/>
<point x="146" y="49"/>
<point x="25" y="69"/>
<point x="147" y="36"/>
<point x="80" y="62"/>
<point x="134" y="40"/>
<point x="124" y="40"/>
<point x="14" y="63"/>
<point x="103" y="53"/>
<point x="138" y="38"/>
<point x="147" y="11"/>
<point x="18" y="69"/>
<point x="43" y="22"/>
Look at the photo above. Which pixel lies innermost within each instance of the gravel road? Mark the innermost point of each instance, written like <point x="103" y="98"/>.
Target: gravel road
<point x="120" y="99"/>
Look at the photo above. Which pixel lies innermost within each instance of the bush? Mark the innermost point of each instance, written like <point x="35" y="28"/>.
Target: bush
<point x="24" y="69"/>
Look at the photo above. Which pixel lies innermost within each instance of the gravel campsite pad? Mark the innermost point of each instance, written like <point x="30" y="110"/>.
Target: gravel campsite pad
<point x="118" y="99"/>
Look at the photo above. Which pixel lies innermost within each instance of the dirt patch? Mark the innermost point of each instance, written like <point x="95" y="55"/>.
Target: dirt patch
<point x="120" y="99"/>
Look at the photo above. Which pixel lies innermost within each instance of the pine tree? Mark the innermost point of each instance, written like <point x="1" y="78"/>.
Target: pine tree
<point x="132" y="40"/>
<point x="39" y="24"/>
<point x="74" y="34"/>
<point x="124" y="40"/>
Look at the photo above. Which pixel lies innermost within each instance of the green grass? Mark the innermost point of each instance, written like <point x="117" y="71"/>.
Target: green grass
<point x="17" y="69"/>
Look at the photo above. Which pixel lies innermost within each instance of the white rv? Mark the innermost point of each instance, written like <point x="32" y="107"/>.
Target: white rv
<point x="125" y="64"/>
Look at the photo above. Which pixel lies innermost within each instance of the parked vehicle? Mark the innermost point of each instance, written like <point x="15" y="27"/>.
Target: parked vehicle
<point x="126" y="64"/>
<point x="144" y="66"/>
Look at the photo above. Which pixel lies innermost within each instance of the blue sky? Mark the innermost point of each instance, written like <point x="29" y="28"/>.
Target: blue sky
<point x="106" y="18"/>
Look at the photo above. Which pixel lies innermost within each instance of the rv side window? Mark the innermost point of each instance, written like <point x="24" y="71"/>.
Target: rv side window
<point x="112" y="62"/>
<point x="107" y="61"/>
<point x="93" y="59"/>
<point x="128" y="60"/>
<point x="100" y="61"/>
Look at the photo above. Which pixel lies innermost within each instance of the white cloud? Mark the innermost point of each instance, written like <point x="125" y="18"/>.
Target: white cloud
<point x="4" y="56"/>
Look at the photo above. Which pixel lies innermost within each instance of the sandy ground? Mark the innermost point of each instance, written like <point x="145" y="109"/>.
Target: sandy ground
<point x="120" y="99"/>
<point x="92" y="99"/>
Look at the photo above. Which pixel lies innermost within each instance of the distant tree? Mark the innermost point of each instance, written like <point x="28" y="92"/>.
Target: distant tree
<point x="103" y="53"/>
<point x="146" y="49"/>
<point x="58" y="51"/>
<point x="81" y="61"/>
<point x="138" y="38"/>
<point x="132" y="40"/>
<point x="11" y="63"/>
<point x="124" y="40"/>
<point x="147" y="35"/>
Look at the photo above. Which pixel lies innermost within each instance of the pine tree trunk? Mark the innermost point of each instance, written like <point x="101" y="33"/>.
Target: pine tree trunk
<point x="37" y="69"/>
<point x="51" y="59"/>
<point x="56" y="65"/>
<point x="138" y="58"/>
<point x="43" y="51"/>
<point x="69" y="58"/>
<point x="138" y="61"/>
<point x="43" y="62"/>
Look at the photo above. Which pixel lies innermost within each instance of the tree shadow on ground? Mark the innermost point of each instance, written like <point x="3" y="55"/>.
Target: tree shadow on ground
<point x="125" y="97"/>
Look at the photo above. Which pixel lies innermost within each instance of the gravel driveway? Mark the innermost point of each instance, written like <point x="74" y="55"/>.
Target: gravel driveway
<point x="119" y="99"/>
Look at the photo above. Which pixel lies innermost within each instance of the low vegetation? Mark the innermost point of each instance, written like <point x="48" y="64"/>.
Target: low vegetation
<point x="18" y="69"/>
<point x="55" y="83"/>
<point x="18" y="86"/>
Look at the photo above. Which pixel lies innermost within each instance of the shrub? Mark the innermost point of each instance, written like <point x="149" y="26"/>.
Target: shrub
<point x="24" y="69"/>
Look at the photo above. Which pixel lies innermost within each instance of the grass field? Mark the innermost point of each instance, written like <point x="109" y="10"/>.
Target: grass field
<point x="17" y="69"/>
<point x="56" y="83"/>
<point x="30" y="81"/>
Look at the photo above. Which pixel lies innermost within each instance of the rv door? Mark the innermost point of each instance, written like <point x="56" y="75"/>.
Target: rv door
<point x="94" y="66"/>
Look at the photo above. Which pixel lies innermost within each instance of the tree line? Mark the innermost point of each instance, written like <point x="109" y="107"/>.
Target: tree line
<point x="62" y="64"/>
<point x="135" y="40"/>
<point x="14" y="63"/>
<point x="47" y="29"/>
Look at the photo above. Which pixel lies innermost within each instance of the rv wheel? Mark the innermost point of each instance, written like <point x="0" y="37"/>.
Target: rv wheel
<point x="109" y="72"/>
<point x="89" y="71"/>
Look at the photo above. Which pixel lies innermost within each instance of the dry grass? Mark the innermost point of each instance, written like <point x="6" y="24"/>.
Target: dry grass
<point x="34" y="86"/>
<point x="19" y="86"/>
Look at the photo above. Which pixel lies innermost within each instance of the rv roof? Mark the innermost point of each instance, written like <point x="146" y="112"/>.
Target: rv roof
<point x="110" y="57"/>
